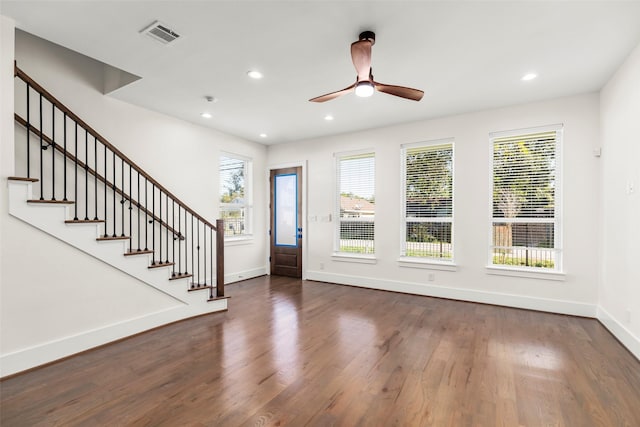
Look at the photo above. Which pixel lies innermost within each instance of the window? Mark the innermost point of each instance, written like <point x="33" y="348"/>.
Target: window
<point x="356" y="203"/>
<point x="235" y="197"/>
<point x="525" y="227"/>
<point x="428" y="200"/>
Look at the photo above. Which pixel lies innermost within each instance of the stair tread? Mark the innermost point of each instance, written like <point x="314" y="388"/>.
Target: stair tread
<point x="181" y="276"/>
<point x="103" y="238"/>
<point x="83" y="221"/>
<point x="198" y="288"/>
<point x="54" y="202"/>
<point x="140" y="252"/>
<point x="162" y="264"/>
<point x="21" y="178"/>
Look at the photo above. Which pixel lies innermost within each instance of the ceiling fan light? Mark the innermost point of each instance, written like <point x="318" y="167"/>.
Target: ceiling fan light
<point x="364" y="89"/>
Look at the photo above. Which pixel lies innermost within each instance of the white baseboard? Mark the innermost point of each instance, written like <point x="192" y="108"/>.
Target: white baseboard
<point x="625" y="336"/>
<point x="44" y="353"/>
<point x="485" y="297"/>
<point x="244" y="275"/>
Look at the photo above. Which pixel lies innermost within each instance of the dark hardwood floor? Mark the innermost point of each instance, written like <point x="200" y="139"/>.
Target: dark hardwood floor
<point x="294" y="353"/>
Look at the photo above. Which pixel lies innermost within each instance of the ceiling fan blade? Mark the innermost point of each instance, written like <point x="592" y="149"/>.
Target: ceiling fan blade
<point x="361" y="57"/>
<point x="401" y="91"/>
<point x="332" y="95"/>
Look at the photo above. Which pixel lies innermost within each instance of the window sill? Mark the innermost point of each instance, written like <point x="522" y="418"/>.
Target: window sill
<point x="527" y="273"/>
<point x="240" y="240"/>
<point x="412" y="262"/>
<point x="346" y="257"/>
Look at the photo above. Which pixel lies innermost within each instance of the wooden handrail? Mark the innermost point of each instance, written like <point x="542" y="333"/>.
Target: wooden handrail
<point x="100" y="178"/>
<point x="59" y="105"/>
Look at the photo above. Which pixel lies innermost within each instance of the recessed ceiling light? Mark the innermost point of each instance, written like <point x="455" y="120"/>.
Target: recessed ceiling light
<point x="529" y="76"/>
<point x="206" y="115"/>
<point x="254" y="74"/>
<point x="263" y="135"/>
<point x="328" y="117"/>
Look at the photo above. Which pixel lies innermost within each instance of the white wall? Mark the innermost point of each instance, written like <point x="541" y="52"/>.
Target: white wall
<point x="576" y="294"/>
<point x="46" y="294"/>
<point x="620" y="276"/>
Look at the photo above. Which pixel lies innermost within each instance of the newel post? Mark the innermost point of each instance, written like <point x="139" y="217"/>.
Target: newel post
<point x="220" y="258"/>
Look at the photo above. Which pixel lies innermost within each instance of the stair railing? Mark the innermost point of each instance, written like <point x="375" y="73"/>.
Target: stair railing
<point x="105" y="186"/>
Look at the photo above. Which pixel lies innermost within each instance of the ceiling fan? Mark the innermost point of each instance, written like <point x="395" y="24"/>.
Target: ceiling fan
<point x="365" y="85"/>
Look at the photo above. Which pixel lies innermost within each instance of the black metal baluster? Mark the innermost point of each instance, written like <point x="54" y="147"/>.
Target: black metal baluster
<point x="212" y="282"/>
<point x="193" y="254"/>
<point x="106" y="234"/>
<point x="179" y="240"/>
<point x="113" y="167"/>
<point x="186" y="247"/>
<point x="173" y="241"/>
<point x="53" y="152"/>
<point x="166" y="201"/>
<point x="153" y="223"/>
<point x="138" y="197"/>
<point x="41" y="148"/>
<point x="198" y="248"/>
<point x="160" y="226"/>
<point x="75" y="162"/>
<point x="146" y="209"/>
<point x="86" y="175"/>
<point x="124" y="197"/>
<point x="64" y="155"/>
<point x="28" y="131"/>
<point x="95" y="178"/>
<point x="204" y="257"/>
<point x="130" y="212"/>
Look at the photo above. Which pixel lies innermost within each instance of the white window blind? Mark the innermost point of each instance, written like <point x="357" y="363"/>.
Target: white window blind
<point x="525" y="220"/>
<point x="428" y="201"/>
<point x="234" y="196"/>
<point x="356" y="203"/>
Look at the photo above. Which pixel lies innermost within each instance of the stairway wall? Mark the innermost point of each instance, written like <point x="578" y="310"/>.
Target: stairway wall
<point x="55" y="298"/>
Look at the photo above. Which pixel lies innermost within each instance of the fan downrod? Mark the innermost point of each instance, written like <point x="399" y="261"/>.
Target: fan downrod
<point x="368" y="35"/>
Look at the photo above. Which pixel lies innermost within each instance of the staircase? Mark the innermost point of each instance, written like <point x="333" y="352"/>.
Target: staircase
<point x="78" y="187"/>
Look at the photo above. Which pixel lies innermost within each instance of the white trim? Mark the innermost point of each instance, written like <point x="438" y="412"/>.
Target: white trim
<point x="338" y="156"/>
<point x="557" y="220"/>
<point x="244" y="239"/>
<point x="618" y="330"/>
<point x="426" y="263"/>
<point x="245" y="275"/>
<point x="525" y="131"/>
<point x="573" y="308"/>
<point x="358" y="258"/>
<point x="41" y="354"/>
<point x="442" y="142"/>
<point x="529" y="273"/>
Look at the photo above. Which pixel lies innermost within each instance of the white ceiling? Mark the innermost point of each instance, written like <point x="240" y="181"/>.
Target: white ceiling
<point x="466" y="56"/>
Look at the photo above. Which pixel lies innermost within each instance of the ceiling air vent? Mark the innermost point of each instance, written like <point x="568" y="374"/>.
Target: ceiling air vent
<point x="160" y="32"/>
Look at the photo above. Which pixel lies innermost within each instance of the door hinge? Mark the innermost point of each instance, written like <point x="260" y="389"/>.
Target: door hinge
<point x="269" y="259"/>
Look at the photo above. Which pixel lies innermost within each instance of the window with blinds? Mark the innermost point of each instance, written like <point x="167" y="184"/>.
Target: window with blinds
<point x="428" y="200"/>
<point x="356" y="203"/>
<point x="525" y="226"/>
<point x="234" y="195"/>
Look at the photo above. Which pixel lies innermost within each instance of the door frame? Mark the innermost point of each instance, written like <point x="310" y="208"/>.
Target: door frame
<point x="303" y="175"/>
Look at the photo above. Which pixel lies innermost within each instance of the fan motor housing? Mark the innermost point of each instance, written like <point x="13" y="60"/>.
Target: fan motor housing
<point x="368" y="35"/>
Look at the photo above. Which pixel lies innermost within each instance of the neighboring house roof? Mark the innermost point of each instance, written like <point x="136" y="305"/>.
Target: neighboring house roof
<point x="356" y="204"/>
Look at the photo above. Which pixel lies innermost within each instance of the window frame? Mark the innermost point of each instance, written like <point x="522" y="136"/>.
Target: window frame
<point x="247" y="234"/>
<point x="555" y="273"/>
<point x="337" y="254"/>
<point x="425" y="261"/>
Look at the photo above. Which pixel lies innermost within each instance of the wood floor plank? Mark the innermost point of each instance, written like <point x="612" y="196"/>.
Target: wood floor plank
<point x="296" y="353"/>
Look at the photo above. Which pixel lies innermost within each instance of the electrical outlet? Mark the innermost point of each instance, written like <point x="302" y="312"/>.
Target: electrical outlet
<point x="322" y="266"/>
<point x="431" y="277"/>
<point x="627" y="316"/>
<point x="630" y="187"/>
